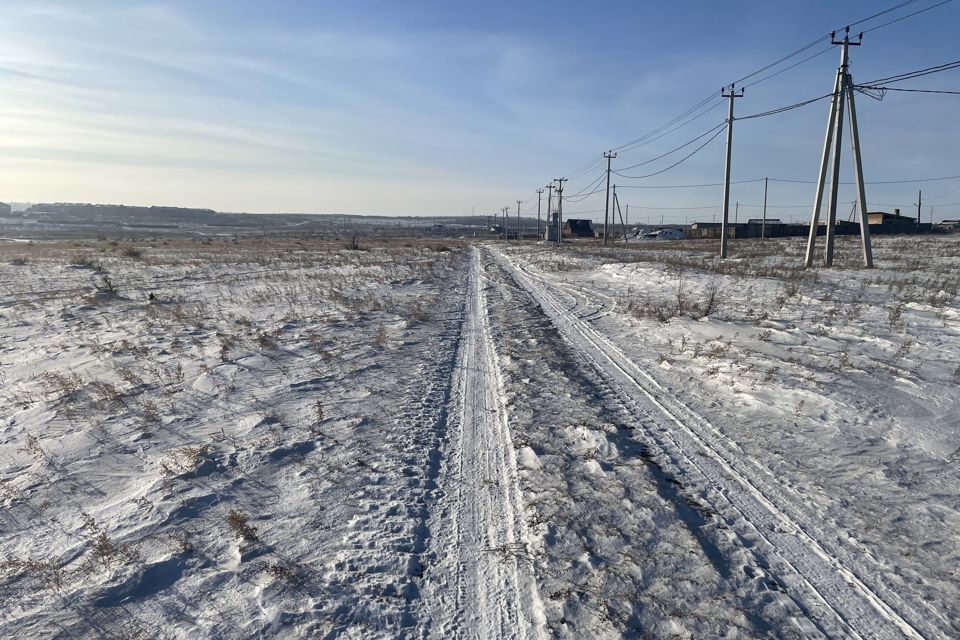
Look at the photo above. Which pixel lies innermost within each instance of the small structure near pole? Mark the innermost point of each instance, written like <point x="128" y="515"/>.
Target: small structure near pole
<point x="550" y="232"/>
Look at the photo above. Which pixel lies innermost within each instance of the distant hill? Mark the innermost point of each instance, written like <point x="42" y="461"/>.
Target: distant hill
<point x="66" y="216"/>
<point x="118" y="214"/>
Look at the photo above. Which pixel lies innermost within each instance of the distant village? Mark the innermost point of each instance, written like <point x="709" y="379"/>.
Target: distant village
<point x="86" y="219"/>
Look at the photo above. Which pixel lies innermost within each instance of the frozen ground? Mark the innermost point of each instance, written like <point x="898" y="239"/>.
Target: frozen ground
<point x="292" y="439"/>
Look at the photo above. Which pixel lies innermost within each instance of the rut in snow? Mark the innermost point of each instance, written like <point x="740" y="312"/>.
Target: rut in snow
<point x="838" y="599"/>
<point x="481" y="583"/>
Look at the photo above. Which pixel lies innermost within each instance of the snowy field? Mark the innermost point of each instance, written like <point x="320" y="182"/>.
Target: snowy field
<point x="280" y="438"/>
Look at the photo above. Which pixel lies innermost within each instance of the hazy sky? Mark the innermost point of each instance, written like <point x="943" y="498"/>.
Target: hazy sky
<point x="439" y="107"/>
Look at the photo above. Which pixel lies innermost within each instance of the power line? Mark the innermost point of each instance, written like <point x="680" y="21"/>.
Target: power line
<point x="786" y="108"/>
<point x="638" y="141"/>
<point x="785" y="180"/>
<point x="675" y="149"/>
<point x="912" y="181"/>
<point x="592" y="185"/>
<point x="909" y="15"/>
<point x="885" y="89"/>
<point x="685" y="186"/>
<point x="880" y="13"/>
<point x="677" y="127"/>
<point x="785" y="69"/>
<point x="585" y="168"/>
<point x="681" y="160"/>
<point x="909" y="75"/>
<point x="805" y="47"/>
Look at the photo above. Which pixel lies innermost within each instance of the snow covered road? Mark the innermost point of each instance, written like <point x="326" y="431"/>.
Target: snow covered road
<point x="481" y="585"/>
<point x="836" y="586"/>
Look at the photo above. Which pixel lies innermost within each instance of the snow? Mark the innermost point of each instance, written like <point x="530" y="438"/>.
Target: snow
<point x="285" y="438"/>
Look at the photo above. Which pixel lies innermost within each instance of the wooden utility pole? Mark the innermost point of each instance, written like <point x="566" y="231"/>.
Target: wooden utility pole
<point x="606" y="205"/>
<point x="726" y="172"/>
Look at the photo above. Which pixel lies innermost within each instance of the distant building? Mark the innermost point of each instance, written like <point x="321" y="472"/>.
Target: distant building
<point x="883" y="222"/>
<point x="578" y="229"/>
<point x="882" y="217"/>
<point x="5" y="209"/>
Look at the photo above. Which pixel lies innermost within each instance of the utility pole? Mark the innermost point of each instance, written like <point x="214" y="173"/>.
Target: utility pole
<point x="546" y="224"/>
<point x="919" y="201"/>
<point x="726" y="173"/>
<point x="539" y="199"/>
<point x="843" y="94"/>
<point x="559" y="182"/>
<point x="627" y="213"/>
<point x="763" y="225"/>
<point x="505" y="210"/>
<point x="616" y="203"/>
<point x="518" y="219"/>
<point x="609" y="155"/>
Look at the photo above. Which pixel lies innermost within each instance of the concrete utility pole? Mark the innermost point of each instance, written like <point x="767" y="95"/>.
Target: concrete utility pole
<point x="559" y="182"/>
<point x="518" y="219"/>
<point x="726" y="172"/>
<point x="616" y="204"/>
<point x="606" y="205"/>
<point x="505" y="210"/>
<point x="919" y="202"/>
<point x="539" y="199"/>
<point x="763" y="224"/>
<point x="546" y="223"/>
<point x="842" y="95"/>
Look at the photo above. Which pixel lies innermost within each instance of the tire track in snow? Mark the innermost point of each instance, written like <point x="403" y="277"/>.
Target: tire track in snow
<point x="759" y="512"/>
<point x="480" y="584"/>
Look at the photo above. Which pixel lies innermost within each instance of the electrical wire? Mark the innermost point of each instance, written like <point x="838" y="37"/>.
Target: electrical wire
<point x="641" y="139"/>
<point x="675" y="149"/>
<point x="913" y="181"/>
<point x="909" y="75"/>
<point x="885" y="89"/>
<point x="683" y="159"/>
<point x="786" y="108"/>
<point x="796" y="64"/>
<point x="685" y="186"/>
<point x="884" y="12"/>
<point x="585" y="168"/>
<point x="592" y="184"/>
<point x="909" y="15"/>
<point x="583" y="197"/>
<point x="805" y="47"/>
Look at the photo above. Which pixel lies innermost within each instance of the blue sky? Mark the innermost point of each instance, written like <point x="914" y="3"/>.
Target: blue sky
<point x="447" y="107"/>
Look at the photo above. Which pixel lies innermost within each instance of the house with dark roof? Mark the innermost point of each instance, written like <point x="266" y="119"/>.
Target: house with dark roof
<point x="578" y="229"/>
